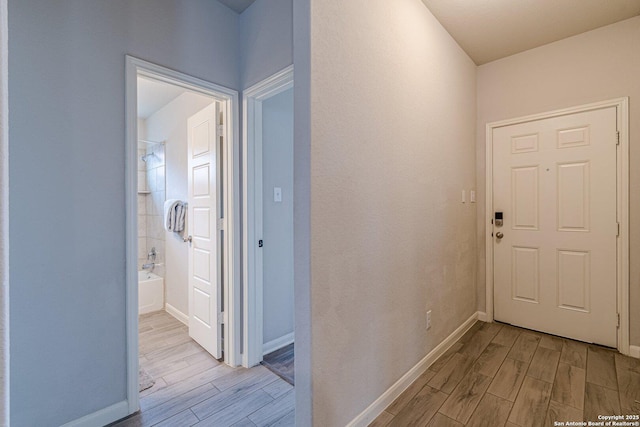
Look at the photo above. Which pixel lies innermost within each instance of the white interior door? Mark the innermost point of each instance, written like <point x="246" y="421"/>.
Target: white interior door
<point x="205" y="276"/>
<point x="555" y="264"/>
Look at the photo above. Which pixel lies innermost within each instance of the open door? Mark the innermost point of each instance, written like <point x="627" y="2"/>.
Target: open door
<point x="205" y="273"/>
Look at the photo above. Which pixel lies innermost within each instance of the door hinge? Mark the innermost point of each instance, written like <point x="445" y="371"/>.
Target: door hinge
<point x="618" y="321"/>
<point x="617" y="137"/>
<point x="220" y="130"/>
<point x="221" y="318"/>
<point x="618" y="230"/>
<point x="221" y="224"/>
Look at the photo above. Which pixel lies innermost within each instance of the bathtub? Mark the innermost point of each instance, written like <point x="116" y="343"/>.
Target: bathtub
<point x="150" y="292"/>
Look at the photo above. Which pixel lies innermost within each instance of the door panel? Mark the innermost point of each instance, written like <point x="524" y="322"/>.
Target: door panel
<point x="555" y="181"/>
<point x="205" y="282"/>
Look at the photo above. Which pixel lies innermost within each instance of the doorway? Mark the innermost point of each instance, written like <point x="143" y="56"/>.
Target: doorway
<point x="268" y="221"/>
<point x="181" y="153"/>
<point x="557" y="207"/>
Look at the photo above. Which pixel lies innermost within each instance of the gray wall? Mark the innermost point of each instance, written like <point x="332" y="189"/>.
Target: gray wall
<point x="277" y="171"/>
<point x="67" y="151"/>
<point x="393" y="109"/>
<point x="594" y="66"/>
<point x="266" y="39"/>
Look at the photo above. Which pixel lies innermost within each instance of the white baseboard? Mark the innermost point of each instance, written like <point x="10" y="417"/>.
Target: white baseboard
<point x="278" y="343"/>
<point x="102" y="417"/>
<point x="381" y="403"/>
<point x="482" y="316"/>
<point x="176" y="313"/>
<point x="634" y="351"/>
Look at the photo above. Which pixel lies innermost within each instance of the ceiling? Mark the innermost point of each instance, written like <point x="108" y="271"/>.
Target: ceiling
<point x="153" y="95"/>
<point x="237" y="5"/>
<point x="491" y="29"/>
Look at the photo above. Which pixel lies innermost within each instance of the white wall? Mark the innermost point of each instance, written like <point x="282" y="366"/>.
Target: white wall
<point x="277" y="171"/>
<point x="595" y="66"/>
<point x="393" y="108"/>
<point x="169" y="124"/>
<point x="67" y="153"/>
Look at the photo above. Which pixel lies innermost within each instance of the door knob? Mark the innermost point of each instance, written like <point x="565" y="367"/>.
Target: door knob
<point x="187" y="239"/>
<point x="499" y="235"/>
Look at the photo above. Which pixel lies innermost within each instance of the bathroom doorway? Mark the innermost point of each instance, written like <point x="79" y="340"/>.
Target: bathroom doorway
<point x="181" y="246"/>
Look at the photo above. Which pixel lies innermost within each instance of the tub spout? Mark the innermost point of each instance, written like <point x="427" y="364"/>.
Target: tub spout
<point x="149" y="266"/>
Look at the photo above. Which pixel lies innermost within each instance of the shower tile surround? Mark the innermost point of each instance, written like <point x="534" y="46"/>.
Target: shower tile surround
<point x="151" y="197"/>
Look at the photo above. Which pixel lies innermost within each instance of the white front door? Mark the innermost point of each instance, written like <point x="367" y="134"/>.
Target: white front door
<point x="554" y="180"/>
<point x="205" y="275"/>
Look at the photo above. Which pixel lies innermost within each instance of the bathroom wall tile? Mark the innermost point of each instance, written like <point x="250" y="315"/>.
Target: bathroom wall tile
<point x="142" y="204"/>
<point x="142" y="226"/>
<point x="142" y="181"/>
<point x="160" y="184"/>
<point x="151" y="179"/>
<point x="142" y="166"/>
<point x="159" y="270"/>
<point x="142" y="247"/>
<point x="149" y="204"/>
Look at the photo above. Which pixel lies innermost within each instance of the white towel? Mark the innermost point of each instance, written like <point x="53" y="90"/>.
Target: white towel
<point x="169" y="213"/>
<point x="181" y="210"/>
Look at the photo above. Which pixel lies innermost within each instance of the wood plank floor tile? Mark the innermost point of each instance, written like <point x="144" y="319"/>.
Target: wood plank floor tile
<point x="492" y="411"/>
<point x="574" y="353"/>
<point x="491" y="327"/>
<point x="508" y="379"/>
<point x="277" y="388"/>
<point x="524" y="347"/>
<point x="182" y="419"/>
<point x="544" y="364"/>
<point x="559" y="412"/>
<point x="442" y="360"/>
<point x="490" y="360"/>
<point x="237" y="410"/>
<point x="600" y="400"/>
<point x="382" y="420"/>
<point x="507" y="336"/>
<point x="569" y="386"/>
<point x="228" y="397"/>
<point x="551" y="342"/>
<point x="245" y="422"/>
<point x="465" y="397"/>
<point x="451" y="374"/>
<point x="190" y="370"/>
<point x="288" y="420"/>
<point x="471" y="332"/>
<point x="601" y="368"/>
<point x="476" y="344"/>
<point x="274" y="410"/>
<point x="628" y="373"/>
<point x="532" y="403"/>
<point x="440" y="420"/>
<point x="178" y="404"/>
<point x="406" y="396"/>
<point x="420" y="410"/>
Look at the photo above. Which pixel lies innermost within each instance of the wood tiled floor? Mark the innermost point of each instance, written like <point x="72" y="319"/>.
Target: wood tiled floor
<point x="194" y="389"/>
<point x="499" y="375"/>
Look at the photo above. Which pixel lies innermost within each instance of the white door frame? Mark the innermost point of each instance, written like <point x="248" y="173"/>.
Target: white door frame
<point x="252" y="100"/>
<point x="136" y="67"/>
<point x="622" y="286"/>
<point x="4" y="217"/>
